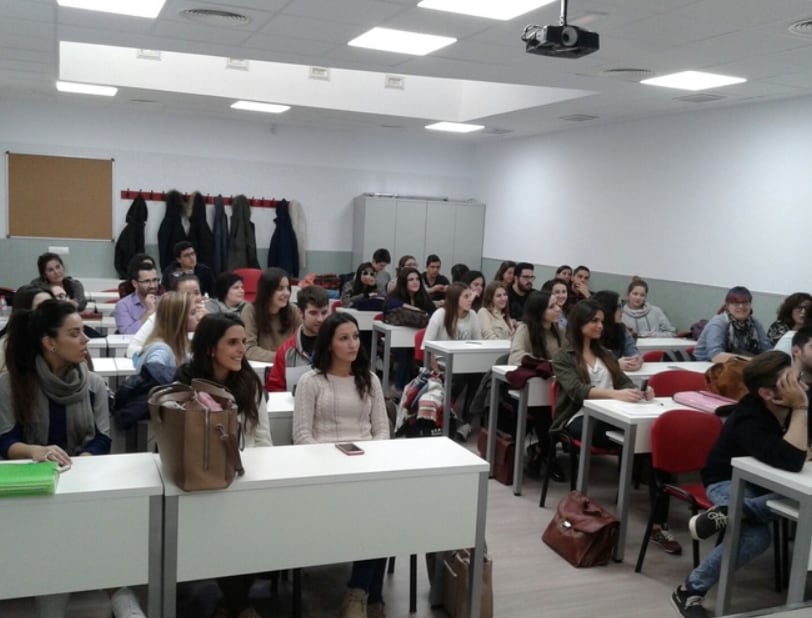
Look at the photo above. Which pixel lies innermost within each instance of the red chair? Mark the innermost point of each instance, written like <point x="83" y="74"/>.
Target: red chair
<point x="419" y="352"/>
<point x="335" y="305"/>
<point x="667" y="383"/>
<point x="574" y="448"/>
<point x="653" y="356"/>
<point x="680" y="443"/>
<point x="250" y="279"/>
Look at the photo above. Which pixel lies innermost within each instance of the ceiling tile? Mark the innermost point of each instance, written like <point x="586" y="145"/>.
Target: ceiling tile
<point x="368" y="12"/>
<point x="319" y="30"/>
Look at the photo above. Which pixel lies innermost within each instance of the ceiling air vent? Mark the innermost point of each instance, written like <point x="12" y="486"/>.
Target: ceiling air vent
<point x="579" y="117"/>
<point x="803" y="27"/>
<point x="632" y="74"/>
<point x="215" y="17"/>
<point x="496" y="131"/>
<point x="699" y="98"/>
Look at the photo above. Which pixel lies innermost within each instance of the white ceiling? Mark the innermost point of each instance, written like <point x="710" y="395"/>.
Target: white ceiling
<point x="747" y="38"/>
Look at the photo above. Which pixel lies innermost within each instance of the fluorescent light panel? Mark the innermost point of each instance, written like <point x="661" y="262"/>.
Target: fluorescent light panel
<point x="401" y="41"/>
<point x="77" y="88"/>
<point x="454" y="127"/>
<point x="693" y="80"/>
<point x="491" y="9"/>
<point x="133" y="8"/>
<point x="254" y="106"/>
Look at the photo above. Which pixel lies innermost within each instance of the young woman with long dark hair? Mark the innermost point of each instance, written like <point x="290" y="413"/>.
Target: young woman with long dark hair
<point x="494" y="316"/>
<point x="616" y="336"/>
<point x="362" y="292"/>
<point x="270" y="319"/>
<point x="52" y="272"/>
<point x="340" y="400"/>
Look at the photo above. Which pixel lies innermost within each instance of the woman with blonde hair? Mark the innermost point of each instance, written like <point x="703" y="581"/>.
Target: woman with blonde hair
<point x="168" y="346"/>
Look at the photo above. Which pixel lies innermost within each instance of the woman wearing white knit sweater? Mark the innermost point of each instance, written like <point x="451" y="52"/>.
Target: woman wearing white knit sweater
<point x="642" y="318"/>
<point x="341" y="400"/>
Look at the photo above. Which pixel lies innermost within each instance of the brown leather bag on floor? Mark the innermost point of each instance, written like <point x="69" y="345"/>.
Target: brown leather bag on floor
<point x="582" y="531"/>
<point x="197" y="429"/>
<point x="456" y="575"/>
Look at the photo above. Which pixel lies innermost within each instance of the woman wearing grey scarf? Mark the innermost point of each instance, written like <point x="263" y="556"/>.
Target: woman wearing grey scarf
<point x="51" y="406"/>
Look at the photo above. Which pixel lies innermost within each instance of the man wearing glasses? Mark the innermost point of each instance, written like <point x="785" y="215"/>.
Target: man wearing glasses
<point x="186" y="262"/>
<point x="134" y="309"/>
<point x="522" y="286"/>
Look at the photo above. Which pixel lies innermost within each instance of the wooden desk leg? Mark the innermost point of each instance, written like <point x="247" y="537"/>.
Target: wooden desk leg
<point x="521" y="422"/>
<point x="731" y="543"/>
<point x="492" y="420"/>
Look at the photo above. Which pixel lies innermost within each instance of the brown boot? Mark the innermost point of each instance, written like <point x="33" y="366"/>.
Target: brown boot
<point x="355" y="604"/>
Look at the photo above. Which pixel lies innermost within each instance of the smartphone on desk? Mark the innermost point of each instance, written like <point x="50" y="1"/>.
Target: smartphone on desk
<point x="644" y="389"/>
<point x="348" y="448"/>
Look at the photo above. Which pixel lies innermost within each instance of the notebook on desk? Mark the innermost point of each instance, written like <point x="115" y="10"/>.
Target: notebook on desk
<point x="703" y="400"/>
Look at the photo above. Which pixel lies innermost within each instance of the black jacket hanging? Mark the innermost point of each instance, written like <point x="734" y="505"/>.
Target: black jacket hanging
<point x="220" y="233"/>
<point x="284" y="249"/>
<point x="131" y="240"/>
<point x="171" y="230"/>
<point x="242" y="241"/>
<point x="200" y="235"/>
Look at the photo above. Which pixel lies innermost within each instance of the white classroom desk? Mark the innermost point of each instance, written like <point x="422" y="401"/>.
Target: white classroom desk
<point x="261" y="369"/>
<point x="104" y="324"/>
<point x="635" y="419"/>
<point x="393" y="337"/>
<point x="796" y="486"/>
<point x="310" y="505"/>
<point x="665" y="344"/>
<point x="102" y="529"/>
<point x="476" y="356"/>
<point x="101" y="297"/>
<point x="280" y="417"/>
<point x="650" y="369"/>
<point x="98" y="284"/>
<point x="365" y="319"/>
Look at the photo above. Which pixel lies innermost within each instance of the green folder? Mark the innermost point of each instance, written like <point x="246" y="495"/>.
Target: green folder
<point x="28" y="479"/>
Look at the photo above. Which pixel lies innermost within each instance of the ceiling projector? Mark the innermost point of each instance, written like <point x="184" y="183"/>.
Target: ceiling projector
<point x="563" y="41"/>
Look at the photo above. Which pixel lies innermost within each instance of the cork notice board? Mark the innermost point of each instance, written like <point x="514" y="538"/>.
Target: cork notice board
<point x="60" y="197"/>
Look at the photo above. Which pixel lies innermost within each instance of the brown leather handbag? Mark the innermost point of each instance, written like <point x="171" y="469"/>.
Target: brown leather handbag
<point x="726" y="378"/>
<point x="582" y="531"/>
<point x="456" y="573"/>
<point x="197" y="429"/>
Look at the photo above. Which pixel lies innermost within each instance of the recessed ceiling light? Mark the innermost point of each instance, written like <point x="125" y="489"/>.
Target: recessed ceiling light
<point x="504" y="9"/>
<point x="133" y="8"/>
<point x="104" y="91"/>
<point x="253" y="106"/>
<point x="401" y="41"/>
<point x="693" y="80"/>
<point x="454" y="127"/>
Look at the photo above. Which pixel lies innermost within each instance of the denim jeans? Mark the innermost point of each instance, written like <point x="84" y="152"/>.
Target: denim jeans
<point x="754" y="538"/>
<point x="368" y="576"/>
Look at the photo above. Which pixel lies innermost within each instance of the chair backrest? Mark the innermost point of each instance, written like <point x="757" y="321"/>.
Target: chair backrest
<point x="250" y="278"/>
<point x="682" y="439"/>
<point x="667" y="383"/>
<point x="378" y="318"/>
<point x="334" y="305"/>
<point x="653" y="356"/>
<point x="419" y="353"/>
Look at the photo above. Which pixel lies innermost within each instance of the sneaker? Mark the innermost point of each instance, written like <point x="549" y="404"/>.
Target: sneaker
<point x="687" y="604"/>
<point x="125" y="604"/>
<point x="463" y="431"/>
<point x="355" y="604"/>
<point x="376" y="610"/>
<point x="662" y="536"/>
<point x="709" y="523"/>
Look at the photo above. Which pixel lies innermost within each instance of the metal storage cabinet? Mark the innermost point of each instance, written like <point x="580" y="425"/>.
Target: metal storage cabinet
<point x="454" y="230"/>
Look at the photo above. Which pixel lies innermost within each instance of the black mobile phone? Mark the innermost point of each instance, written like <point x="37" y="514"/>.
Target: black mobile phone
<point x="644" y="386"/>
<point x="348" y="448"/>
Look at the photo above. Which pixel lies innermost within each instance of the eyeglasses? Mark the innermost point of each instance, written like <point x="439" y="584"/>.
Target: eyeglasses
<point x="367" y="273"/>
<point x="803" y="308"/>
<point x="528" y="277"/>
<point x="740" y="303"/>
<point x="149" y="281"/>
<point x="188" y="254"/>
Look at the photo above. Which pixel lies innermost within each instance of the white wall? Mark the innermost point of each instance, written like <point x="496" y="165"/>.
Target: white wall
<point x="161" y="151"/>
<point x="718" y="197"/>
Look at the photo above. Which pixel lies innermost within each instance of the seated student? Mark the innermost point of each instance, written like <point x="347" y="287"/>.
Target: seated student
<point x="538" y="335"/>
<point x="270" y="319"/>
<point x="587" y="370"/>
<point x="506" y="273"/>
<point x="52" y="272"/>
<point x="406" y="261"/>
<point x="616" y="337"/>
<point x="433" y="281"/>
<point x="563" y="272"/>
<point x="187" y="283"/>
<point x="784" y="344"/>
<point x="770" y="424"/>
<point x="341" y="400"/>
<point x="381" y="258"/>
<point x="458" y="272"/>
<point x="51" y="407"/>
<point x="560" y="291"/>
<point x="455" y="321"/>
<point x="362" y="292"/>
<point x="494" y="320"/>
<point x="133" y="310"/>
<point x="791" y="315"/>
<point x="186" y="262"/>
<point x="579" y="284"/>
<point x="230" y="294"/>
<point x="26" y="297"/>
<point x="218" y="355"/>
<point x="292" y="359"/>
<point x="642" y="318"/>
<point x="522" y="286"/>
<point x="475" y="281"/>
<point x="126" y="287"/>
<point x="732" y="332"/>
<point x="167" y="347"/>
